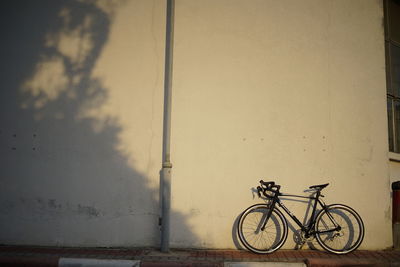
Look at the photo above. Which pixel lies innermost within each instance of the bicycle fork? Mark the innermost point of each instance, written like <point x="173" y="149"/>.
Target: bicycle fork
<point x="265" y="219"/>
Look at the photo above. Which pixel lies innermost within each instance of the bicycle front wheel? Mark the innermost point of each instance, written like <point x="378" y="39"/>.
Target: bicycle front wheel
<point x="339" y="229"/>
<point x="262" y="241"/>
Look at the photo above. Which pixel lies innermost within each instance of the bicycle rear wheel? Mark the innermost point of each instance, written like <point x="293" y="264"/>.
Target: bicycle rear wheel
<point x="253" y="238"/>
<point x="345" y="239"/>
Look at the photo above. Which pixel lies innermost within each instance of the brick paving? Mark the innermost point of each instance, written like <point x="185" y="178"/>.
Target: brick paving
<point x="48" y="257"/>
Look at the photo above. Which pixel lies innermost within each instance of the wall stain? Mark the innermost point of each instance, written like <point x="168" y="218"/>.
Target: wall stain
<point x="388" y="213"/>
<point x="52" y="203"/>
<point x="195" y="212"/>
<point x="51" y="208"/>
<point x="88" y="210"/>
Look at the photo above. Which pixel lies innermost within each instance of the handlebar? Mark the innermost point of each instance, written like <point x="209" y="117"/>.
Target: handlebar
<point x="268" y="186"/>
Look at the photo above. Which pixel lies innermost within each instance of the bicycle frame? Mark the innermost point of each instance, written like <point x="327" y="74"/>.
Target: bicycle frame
<point x="307" y="229"/>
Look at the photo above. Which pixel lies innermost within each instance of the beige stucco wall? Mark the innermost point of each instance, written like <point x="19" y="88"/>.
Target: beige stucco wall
<point x="291" y="91"/>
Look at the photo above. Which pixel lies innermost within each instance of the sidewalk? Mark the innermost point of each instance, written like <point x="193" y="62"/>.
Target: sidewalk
<point x="40" y="256"/>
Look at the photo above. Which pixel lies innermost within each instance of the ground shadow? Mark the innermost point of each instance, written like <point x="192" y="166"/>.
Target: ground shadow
<point x="64" y="180"/>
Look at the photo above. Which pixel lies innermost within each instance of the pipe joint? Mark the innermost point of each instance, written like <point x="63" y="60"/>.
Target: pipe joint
<point x="167" y="165"/>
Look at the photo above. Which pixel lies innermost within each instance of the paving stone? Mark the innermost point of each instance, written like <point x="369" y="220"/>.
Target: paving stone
<point x="323" y="262"/>
<point x="265" y="264"/>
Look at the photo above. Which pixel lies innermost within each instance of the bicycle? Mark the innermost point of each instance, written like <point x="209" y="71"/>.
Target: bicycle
<point x="262" y="228"/>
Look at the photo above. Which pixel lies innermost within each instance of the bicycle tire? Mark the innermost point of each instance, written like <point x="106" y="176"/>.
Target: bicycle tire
<point x="348" y="238"/>
<point x="257" y="241"/>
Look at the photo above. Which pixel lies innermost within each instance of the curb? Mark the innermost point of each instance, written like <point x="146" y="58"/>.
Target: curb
<point x="82" y="262"/>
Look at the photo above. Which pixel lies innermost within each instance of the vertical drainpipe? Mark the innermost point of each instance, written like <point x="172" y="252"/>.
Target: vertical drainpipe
<point x="165" y="184"/>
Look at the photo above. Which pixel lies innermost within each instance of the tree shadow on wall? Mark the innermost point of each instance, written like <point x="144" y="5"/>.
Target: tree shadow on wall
<point x="64" y="181"/>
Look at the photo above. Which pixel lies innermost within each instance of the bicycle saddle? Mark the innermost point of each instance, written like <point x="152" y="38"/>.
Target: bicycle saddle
<point x="319" y="186"/>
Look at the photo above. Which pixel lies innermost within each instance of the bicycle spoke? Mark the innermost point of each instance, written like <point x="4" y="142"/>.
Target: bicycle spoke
<point x="344" y="238"/>
<point x="266" y="240"/>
